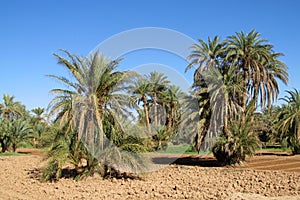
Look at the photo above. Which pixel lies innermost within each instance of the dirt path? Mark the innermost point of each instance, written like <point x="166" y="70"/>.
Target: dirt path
<point x="171" y="182"/>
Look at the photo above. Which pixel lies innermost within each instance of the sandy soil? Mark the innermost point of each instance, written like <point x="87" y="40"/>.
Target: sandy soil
<point x="18" y="181"/>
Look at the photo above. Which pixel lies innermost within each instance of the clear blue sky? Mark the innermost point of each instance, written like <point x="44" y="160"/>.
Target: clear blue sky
<point x="30" y="31"/>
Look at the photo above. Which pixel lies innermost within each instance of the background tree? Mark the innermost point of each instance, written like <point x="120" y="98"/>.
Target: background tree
<point x="18" y="131"/>
<point x="290" y="123"/>
<point x="232" y="76"/>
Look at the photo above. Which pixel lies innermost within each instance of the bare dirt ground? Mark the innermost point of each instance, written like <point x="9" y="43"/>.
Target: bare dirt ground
<point x="263" y="177"/>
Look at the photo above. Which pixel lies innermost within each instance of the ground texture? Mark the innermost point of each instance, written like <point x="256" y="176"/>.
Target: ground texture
<point x="264" y="177"/>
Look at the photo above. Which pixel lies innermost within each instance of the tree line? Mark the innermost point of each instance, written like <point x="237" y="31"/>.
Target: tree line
<point x="104" y="119"/>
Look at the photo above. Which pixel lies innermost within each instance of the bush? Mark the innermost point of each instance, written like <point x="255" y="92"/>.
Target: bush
<point x="233" y="147"/>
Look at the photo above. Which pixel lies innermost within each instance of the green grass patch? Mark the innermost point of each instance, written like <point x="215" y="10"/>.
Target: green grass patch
<point x="12" y="154"/>
<point x="275" y="149"/>
<point x="181" y="149"/>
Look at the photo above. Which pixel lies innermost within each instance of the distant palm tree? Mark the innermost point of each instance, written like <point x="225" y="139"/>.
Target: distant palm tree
<point x="171" y="98"/>
<point x="38" y="114"/>
<point x="139" y="91"/>
<point x="4" y="135"/>
<point x="158" y="82"/>
<point x="18" y="130"/>
<point x="10" y="107"/>
<point x="291" y="117"/>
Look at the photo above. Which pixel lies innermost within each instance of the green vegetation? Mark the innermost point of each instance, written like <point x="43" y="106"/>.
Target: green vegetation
<point x="232" y="78"/>
<point x="12" y="154"/>
<point x="104" y="120"/>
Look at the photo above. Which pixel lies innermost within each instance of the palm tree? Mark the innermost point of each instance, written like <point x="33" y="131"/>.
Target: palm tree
<point x="96" y="89"/>
<point x="171" y="98"/>
<point x="241" y="140"/>
<point x="291" y="118"/>
<point x="139" y="91"/>
<point x="38" y="112"/>
<point x="259" y="65"/>
<point x="158" y="82"/>
<point x="10" y="107"/>
<point x="205" y="56"/>
<point x="4" y="135"/>
<point x="18" y="130"/>
<point x="93" y="103"/>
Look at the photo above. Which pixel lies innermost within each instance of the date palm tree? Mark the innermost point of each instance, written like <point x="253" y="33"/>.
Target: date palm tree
<point x="204" y="56"/>
<point x="291" y="118"/>
<point x="96" y="89"/>
<point x="10" y="108"/>
<point x="140" y="90"/>
<point x="92" y="106"/>
<point x="158" y="82"/>
<point x="18" y="130"/>
<point x="259" y="65"/>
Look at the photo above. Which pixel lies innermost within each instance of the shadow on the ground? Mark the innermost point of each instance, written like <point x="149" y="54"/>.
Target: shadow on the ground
<point x="273" y="153"/>
<point x="188" y="160"/>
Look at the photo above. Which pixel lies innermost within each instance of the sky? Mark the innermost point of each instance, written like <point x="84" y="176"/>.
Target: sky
<point x="32" y="30"/>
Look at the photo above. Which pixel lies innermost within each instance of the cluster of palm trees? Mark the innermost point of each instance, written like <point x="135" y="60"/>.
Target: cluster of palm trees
<point x="18" y="125"/>
<point x="105" y="118"/>
<point x="232" y="79"/>
<point x="103" y="111"/>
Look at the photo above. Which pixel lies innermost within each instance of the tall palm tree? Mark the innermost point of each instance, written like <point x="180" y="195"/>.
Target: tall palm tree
<point x="204" y="56"/>
<point x="291" y="115"/>
<point x="259" y="65"/>
<point x="139" y="91"/>
<point x="158" y="82"/>
<point x="94" y="89"/>
<point x="171" y="99"/>
<point x="224" y="86"/>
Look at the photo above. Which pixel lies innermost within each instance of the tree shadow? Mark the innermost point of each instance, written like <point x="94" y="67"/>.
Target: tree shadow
<point x="187" y="160"/>
<point x="71" y="173"/>
<point x="273" y="153"/>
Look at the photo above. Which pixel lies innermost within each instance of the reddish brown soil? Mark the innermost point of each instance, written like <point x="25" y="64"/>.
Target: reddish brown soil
<point x="196" y="179"/>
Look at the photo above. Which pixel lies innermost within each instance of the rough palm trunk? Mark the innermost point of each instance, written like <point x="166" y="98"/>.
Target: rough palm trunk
<point x="170" y="120"/>
<point x="245" y="96"/>
<point x="98" y="113"/>
<point x="14" y="146"/>
<point x="146" y="114"/>
<point x="298" y="132"/>
<point x="155" y="108"/>
<point x="226" y="114"/>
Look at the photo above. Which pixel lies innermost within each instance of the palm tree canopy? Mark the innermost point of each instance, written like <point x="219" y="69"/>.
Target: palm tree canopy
<point x="95" y="90"/>
<point x="10" y="107"/>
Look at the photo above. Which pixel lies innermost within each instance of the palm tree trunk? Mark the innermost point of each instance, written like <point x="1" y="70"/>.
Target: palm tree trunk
<point x="155" y="109"/>
<point x="226" y="114"/>
<point x="170" y="120"/>
<point x="14" y="146"/>
<point x="245" y="96"/>
<point x="101" y="134"/>
<point x="98" y="113"/>
<point x="146" y="114"/>
<point x="298" y="132"/>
